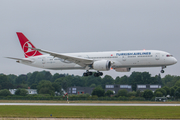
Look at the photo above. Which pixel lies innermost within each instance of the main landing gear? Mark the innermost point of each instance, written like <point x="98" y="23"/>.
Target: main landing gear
<point x="96" y="74"/>
<point x="162" y="71"/>
<point x="87" y="73"/>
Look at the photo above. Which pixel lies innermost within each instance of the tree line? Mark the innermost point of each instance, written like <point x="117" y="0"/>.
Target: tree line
<point x="46" y="83"/>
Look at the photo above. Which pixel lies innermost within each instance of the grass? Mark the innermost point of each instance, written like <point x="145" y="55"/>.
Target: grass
<point x="110" y="112"/>
<point x="79" y="101"/>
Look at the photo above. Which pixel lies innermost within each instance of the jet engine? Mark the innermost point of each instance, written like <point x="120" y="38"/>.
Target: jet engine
<point x="122" y="69"/>
<point x="102" y="65"/>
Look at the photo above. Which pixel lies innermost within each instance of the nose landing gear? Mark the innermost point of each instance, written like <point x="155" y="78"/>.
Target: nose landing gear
<point x="162" y="71"/>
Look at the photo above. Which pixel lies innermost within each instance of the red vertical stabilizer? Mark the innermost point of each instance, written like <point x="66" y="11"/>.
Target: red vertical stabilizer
<point x="25" y="43"/>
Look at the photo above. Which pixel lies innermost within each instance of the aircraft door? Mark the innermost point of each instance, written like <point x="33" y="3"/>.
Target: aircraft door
<point x="124" y="58"/>
<point x="43" y="60"/>
<point x="157" y="56"/>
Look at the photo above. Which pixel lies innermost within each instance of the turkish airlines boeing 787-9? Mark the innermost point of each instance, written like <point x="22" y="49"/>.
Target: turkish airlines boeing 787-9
<point x="120" y="61"/>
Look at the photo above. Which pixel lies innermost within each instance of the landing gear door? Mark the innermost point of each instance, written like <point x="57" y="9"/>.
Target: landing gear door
<point x="157" y="56"/>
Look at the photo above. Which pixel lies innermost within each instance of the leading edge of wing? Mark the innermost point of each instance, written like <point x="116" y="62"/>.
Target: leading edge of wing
<point x="78" y="60"/>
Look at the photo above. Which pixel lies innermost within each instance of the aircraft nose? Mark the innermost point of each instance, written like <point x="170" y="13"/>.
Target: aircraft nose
<point x="174" y="60"/>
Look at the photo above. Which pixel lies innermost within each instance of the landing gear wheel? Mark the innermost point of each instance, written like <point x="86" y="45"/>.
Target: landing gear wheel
<point x="89" y="73"/>
<point x="96" y="74"/>
<point x="85" y="74"/>
<point x="162" y="71"/>
<point x="100" y="73"/>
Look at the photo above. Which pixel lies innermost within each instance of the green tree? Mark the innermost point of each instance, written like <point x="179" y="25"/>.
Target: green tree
<point x="74" y="81"/>
<point x="117" y="80"/>
<point x="148" y="94"/>
<point x="47" y="75"/>
<point x="107" y="80"/>
<point x="11" y="78"/>
<point x="98" y="91"/>
<point x="138" y="93"/>
<point x="170" y="80"/>
<point x="29" y="74"/>
<point x="122" y="80"/>
<point x="45" y="87"/>
<point x="93" y="85"/>
<point x="134" y="79"/>
<point x="31" y="79"/>
<point x="4" y="92"/>
<point x="21" y="92"/>
<point x="167" y="89"/>
<point x="158" y="94"/>
<point x="56" y="86"/>
<point x="64" y="82"/>
<point x="46" y="91"/>
<point x="130" y="94"/>
<point x="177" y="92"/>
<point x="88" y="81"/>
<point x="34" y="86"/>
<point x="4" y="82"/>
<point x="177" y="83"/>
<point x="161" y="90"/>
<point x="55" y="76"/>
<point x="146" y="78"/>
<point x="25" y="86"/>
<point x="21" y="79"/>
<point x="109" y="93"/>
<point x="122" y="92"/>
<point x="172" y="91"/>
<point x="159" y="80"/>
<point x="39" y="76"/>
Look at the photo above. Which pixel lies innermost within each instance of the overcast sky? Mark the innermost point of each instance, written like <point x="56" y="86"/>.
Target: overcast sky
<point x="88" y="26"/>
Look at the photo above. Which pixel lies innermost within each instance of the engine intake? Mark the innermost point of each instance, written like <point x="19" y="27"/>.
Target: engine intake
<point x="102" y="65"/>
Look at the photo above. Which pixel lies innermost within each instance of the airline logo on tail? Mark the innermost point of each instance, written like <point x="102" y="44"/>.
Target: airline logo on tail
<point x="27" y="51"/>
<point x="25" y="43"/>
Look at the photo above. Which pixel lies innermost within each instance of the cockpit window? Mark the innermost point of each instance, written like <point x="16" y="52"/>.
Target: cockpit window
<point x="169" y="55"/>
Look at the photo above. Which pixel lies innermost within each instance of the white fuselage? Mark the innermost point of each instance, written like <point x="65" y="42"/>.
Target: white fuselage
<point x="119" y="59"/>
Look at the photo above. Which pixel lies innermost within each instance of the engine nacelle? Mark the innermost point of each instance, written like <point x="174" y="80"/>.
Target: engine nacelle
<point x="102" y="65"/>
<point x="122" y="69"/>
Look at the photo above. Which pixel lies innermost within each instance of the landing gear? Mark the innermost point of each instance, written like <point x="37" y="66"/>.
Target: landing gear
<point x="87" y="73"/>
<point x="162" y="71"/>
<point x="90" y="73"/>
<point x="96" y="74"/>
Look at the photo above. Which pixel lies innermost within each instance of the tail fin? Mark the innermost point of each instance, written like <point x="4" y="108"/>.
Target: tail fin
<point x="25" y="43"/>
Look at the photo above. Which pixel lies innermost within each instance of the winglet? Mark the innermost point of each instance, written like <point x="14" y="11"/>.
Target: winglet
<point x="26" y="45"/>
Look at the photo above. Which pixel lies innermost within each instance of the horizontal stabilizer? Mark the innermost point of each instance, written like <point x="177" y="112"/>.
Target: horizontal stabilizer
<point x="20" y="59"/>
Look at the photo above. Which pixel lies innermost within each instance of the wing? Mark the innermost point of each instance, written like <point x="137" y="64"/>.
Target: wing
<point x="20" y="59"/>
<point x="78" y="60"/>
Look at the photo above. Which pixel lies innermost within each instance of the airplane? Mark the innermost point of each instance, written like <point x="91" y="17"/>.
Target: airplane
<point x="120" y="61"/>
